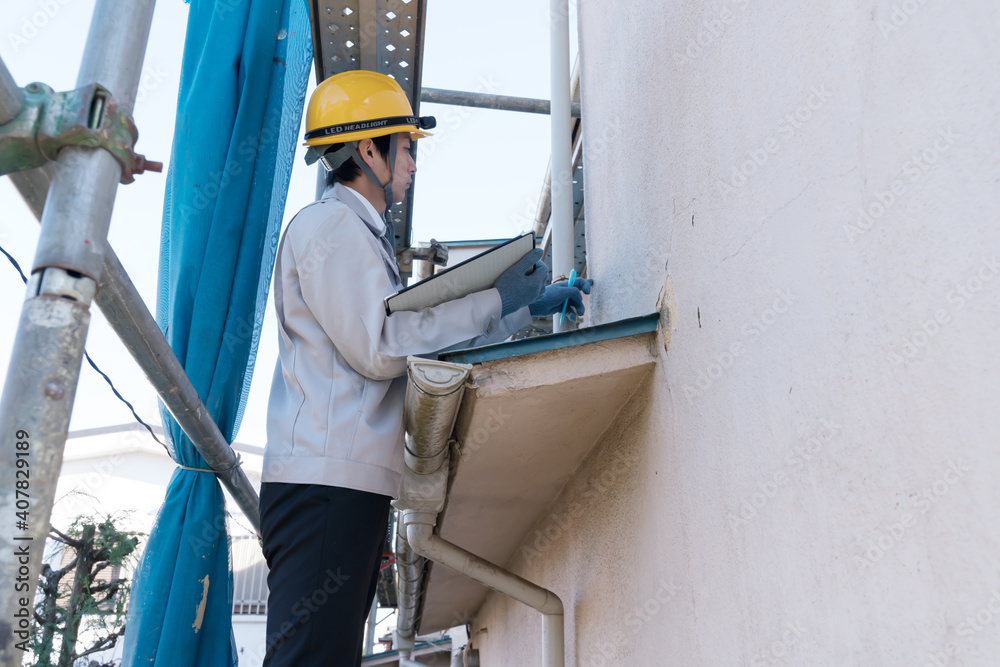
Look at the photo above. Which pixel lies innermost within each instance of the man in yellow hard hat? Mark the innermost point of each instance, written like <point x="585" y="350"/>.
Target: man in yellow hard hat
<point x="334" y="454"/>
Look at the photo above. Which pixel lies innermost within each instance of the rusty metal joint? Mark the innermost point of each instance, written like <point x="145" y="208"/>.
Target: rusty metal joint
<point x="436" y="253"/>
<point x="87" y="117"/>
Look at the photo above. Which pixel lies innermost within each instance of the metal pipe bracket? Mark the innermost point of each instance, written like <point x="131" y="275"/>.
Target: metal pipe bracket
<point x="437" y="253"/>
<point x="87" y="117"/>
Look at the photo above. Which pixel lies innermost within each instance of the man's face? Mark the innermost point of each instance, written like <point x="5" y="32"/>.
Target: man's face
<point x="402" y="175"/>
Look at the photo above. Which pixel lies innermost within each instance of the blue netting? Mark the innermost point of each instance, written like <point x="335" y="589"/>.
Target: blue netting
<point x="243" y="81"/>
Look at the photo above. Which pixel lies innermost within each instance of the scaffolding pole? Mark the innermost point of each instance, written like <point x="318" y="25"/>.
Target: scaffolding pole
<point x="127" y="314"/>
<point x="487" y="101"/>
<point x="369" y="648"/>
<point x="48" y="349"/>
<point x="12" y="99"/>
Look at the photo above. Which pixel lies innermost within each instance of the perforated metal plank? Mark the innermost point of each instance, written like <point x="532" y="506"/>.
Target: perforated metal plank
<point x="385" y="36"/>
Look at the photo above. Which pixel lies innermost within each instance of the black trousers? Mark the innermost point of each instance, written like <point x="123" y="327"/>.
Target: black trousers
<point x="323" y="546"/>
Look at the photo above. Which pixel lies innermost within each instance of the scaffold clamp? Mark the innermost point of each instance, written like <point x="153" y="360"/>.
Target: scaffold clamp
<point x="87" y="117"/>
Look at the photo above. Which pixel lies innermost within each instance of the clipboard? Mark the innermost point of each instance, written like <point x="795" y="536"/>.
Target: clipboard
<point x="473" y="275"/>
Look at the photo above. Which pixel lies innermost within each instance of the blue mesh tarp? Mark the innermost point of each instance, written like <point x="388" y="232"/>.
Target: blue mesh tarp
<point x="243" y="81"/>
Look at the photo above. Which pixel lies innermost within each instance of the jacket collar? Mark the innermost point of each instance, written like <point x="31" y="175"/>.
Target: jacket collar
<point x="372" y="220"/>
<point x="355" y="202"/>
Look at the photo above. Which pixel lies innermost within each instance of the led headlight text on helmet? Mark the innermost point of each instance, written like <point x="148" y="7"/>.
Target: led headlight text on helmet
<point x="360" y="104"/>
<point x="331" y="130"/>
<point x="356" y="105"/>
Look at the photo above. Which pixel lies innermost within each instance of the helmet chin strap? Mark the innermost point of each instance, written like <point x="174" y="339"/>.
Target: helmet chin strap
<point x="387" y="188"/>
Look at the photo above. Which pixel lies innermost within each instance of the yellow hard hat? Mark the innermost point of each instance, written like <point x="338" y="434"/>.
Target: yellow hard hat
<point x="357" y="105"/>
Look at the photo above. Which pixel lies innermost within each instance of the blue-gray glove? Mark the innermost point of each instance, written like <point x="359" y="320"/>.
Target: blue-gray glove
<point x="522" y="283"/>
<point x="556" y="294"/>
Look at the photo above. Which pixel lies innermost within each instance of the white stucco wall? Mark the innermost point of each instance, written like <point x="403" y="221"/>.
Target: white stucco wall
<point x="810" y="477"/>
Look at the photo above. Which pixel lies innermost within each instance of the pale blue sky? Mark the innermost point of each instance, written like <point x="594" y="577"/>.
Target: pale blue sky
<point x="480" y="179"/>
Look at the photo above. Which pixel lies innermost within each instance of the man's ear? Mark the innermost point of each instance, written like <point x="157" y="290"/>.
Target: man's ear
<point x="366" y="149"/>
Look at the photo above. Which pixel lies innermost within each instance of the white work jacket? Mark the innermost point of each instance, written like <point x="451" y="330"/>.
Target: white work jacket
<point x="335" y="414"/>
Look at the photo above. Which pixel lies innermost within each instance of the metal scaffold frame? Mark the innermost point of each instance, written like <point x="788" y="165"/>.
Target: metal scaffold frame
<point x="73" y="196"/>
<point x="74" y="266"/>
<point x="381" y="36"/>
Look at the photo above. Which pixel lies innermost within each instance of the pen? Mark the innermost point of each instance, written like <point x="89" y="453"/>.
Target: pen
<point x="572" y="279"/>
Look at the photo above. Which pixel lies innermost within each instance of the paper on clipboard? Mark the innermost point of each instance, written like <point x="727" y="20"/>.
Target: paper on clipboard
<point x="473" y="275"/>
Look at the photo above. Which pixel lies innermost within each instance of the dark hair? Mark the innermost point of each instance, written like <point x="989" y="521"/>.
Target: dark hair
<point x="349" y="170"/>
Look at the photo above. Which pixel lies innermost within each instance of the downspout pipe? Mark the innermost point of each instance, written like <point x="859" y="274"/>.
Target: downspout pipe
<point x="409" y="572"/>
<point x="562" y="150"/>
<point x="433" y="396"/>
<point x="545" y="198"/>
<point x="420" y="534"/>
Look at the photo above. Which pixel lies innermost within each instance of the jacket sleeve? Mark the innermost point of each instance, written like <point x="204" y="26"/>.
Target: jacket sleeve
<point x="508" y="327"/>
<point x="343" y="281"/>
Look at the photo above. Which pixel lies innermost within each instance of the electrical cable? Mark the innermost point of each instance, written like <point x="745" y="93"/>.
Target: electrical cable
<point x="242" y="525"/>
<point x="122" y="399"/>
<point x="91" y="362"/>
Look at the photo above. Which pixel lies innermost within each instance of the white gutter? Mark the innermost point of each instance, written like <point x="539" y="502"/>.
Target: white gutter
<point x="409" y="572"/>
<point x="562" y="149"/>
<point x="433" y="396"/>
